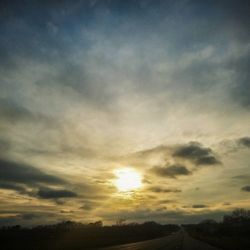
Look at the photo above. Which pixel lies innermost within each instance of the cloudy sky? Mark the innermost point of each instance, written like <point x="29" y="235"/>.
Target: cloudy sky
<point x="89" y="88"/>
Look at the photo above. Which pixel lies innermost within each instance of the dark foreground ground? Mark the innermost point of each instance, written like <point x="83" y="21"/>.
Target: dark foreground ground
<point x="176" y="238"/>
<point x="74" y="236"/>
<point x="141" y="237"/>
<point x="235" y="236"/>
<point x="177" y="241"/>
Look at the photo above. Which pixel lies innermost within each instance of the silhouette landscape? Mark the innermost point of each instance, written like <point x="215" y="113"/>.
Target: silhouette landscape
<point x="230" y="234"/>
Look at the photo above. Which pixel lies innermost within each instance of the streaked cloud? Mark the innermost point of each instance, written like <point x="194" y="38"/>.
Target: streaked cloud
<point x="171" y="171"/>
<point x="197" y="153"/>
<point x="46" y="193"/>
<point x="246" y="188"/>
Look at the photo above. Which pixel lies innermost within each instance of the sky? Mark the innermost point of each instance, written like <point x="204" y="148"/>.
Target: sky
<point x="89" y="88"/>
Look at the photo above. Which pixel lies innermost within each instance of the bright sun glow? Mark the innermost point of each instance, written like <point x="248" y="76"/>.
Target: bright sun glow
<point x="128" y="179"/>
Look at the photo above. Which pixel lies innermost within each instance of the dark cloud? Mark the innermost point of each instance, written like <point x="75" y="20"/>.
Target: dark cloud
<point x="242" y="177"/>
<point x="195" y="152"/>
<point x="19" y="217"/>
<point x="170" y="171"/>
<point x="164" y="190"/>
<point x="207" y="160"/>
<point x="24" y="174"/>
<point x="29" y="216"/>
<point x="244" y="141"/>
<point x="242" y="180"/>
<point x="199" y="206"/>
<point x="86" y="207"/>
<point x="161" y="202"/>
<point x="25" y="179"/>
<point x="47" y="193"/>
<point x="64" y="211"/>
<point x="89" y="205"/>
<point x="12" y="186"/>
<point x="246" y="188"/>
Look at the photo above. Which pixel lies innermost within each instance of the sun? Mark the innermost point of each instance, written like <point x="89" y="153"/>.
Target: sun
<point x="128" y="179"/>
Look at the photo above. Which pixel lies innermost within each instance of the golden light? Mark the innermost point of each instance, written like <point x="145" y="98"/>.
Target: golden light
<point x="128" y="179"/>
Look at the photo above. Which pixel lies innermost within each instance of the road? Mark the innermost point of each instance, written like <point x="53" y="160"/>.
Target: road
<point x="176" y="241"/>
